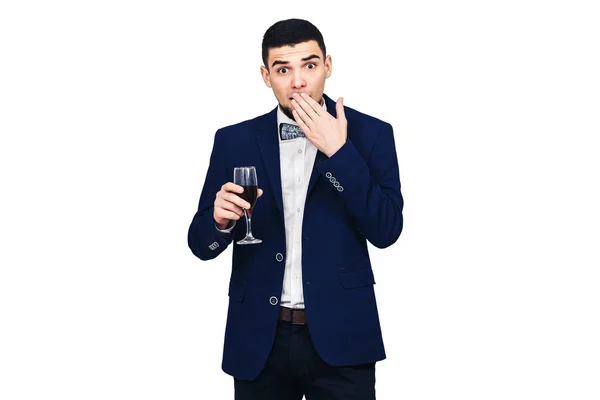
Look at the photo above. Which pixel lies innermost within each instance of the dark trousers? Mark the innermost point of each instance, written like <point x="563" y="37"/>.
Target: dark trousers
<point x="294" y="369"/>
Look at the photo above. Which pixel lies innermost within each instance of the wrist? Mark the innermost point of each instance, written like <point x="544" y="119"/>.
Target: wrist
<point x="221" y="225"/>
<point x="334" y="149"/>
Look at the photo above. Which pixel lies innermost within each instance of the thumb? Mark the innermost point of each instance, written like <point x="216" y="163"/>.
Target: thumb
<point x="260" y="192"/>
<point x="339" y="107"/>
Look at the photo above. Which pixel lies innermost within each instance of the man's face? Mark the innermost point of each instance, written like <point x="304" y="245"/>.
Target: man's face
<point x="297" y="69"/>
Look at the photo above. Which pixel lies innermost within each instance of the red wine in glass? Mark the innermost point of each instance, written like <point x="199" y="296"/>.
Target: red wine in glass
<point x="249" y="194"/>
<point x="246" y="178"/>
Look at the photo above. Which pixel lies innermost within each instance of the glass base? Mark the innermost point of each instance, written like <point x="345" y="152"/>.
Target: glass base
<point x="249" y="240"/>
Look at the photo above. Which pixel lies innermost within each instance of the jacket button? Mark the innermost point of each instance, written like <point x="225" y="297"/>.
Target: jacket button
<point x="328" y="175"/>
<point x="279" y="257"/>
<point x="340" y="189"/>
<point x="273" y="300"/>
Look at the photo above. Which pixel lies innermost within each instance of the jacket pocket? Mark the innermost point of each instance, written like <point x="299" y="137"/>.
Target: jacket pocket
<point x="237" y="291"/>
<point x="355" y="279"/>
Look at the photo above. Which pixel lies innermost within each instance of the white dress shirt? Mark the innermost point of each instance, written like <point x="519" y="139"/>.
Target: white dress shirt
<point x="296" y="160"/>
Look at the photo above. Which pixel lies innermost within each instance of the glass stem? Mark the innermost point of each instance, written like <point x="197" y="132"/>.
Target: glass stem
<point x="248" y="224"/>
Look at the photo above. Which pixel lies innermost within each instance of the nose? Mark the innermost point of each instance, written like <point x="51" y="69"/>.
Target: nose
<point x="298" y="80"/>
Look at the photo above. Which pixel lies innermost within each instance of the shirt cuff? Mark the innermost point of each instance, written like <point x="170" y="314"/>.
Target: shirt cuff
<point x="228" y="228"/>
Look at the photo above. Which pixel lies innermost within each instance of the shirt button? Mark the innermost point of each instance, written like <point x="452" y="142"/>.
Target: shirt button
<point x="279" y="257"/>
<point x="273" y="300"/>
<point x="298" y="210"/>
<point x="299" y="151"/>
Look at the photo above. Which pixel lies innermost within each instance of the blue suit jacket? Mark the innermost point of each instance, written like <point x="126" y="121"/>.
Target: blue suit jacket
<point x="352" y="197"/>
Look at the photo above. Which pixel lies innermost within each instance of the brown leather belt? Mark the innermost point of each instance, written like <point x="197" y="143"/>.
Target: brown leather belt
<point x="292" y="315"/>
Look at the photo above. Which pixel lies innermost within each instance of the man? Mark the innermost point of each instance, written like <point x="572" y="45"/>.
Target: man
<point x="302" y="316"/>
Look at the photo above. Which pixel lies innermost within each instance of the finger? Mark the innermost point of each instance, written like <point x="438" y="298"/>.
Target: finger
<point x="227" y="205"/>
<point x="301" y="113"/>
<point x="225" y="214"/>
<point x="235" y="199"/>
<point x="232" y="187"/>
<point x="301" y="124"/>
<point x="260" y="192"/>
<point x="317" y="108"/>
<point x="305" y="106"/>
<point x="339" y="107"/>
<point x="231" y="196"/>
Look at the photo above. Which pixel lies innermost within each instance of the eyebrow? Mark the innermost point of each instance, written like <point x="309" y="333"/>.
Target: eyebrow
<point x="312" y="56"/>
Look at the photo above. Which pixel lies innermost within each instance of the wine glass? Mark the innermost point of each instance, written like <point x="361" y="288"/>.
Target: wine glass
<point x="246" y="178"/>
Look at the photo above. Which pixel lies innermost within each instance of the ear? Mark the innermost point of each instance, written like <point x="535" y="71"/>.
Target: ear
<point x="265" y="75"/>
<point x="328" y="67"/>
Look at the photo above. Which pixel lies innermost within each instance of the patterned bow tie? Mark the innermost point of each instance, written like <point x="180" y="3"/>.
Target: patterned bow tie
<point x="289" y="131"/>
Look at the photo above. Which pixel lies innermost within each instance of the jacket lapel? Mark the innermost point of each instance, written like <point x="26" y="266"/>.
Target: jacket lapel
<point x="268" y="144"/>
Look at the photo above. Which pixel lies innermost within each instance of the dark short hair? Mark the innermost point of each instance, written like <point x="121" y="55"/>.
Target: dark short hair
<point x="288" y="33"/>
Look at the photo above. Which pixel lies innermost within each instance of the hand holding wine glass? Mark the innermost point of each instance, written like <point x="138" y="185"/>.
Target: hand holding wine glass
<point x="236" y="199"/>
<point x="228" y="206"/>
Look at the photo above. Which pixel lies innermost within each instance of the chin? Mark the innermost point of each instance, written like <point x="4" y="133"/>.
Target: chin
<point x="287" y="111"/>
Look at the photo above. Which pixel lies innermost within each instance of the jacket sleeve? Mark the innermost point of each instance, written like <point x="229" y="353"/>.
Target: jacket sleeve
<point x="204" y="239"/>
<point x="370" y="191"/>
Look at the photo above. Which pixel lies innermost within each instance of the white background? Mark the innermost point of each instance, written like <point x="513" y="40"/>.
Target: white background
<point x="108" y="110"/>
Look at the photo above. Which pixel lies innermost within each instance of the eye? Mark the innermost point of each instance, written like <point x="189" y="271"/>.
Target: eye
<point x="282" y="70"/>
<point x="311" y="65"/>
